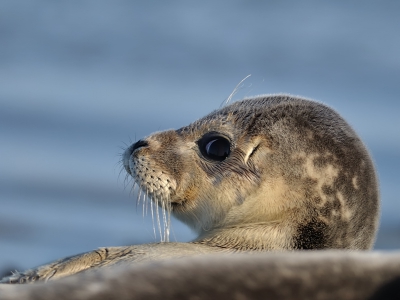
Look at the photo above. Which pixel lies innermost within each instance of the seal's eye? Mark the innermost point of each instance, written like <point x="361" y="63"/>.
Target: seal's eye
<point x="214" y="147"/>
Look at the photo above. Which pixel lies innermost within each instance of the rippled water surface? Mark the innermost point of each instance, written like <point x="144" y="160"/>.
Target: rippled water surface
<point x="80" y="80"/>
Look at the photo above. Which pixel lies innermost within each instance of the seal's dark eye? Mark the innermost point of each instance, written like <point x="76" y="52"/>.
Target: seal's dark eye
<point x="214" y="147"/>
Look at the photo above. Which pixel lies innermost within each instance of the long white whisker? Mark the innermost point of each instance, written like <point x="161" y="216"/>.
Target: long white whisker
<point x="168" y="224"/>
<point x="152" y="218"/>
<point x="164" y="219"/>
<point x="143" y="201"/>
<point x="139" y="195"/>
<point x="158" y="219"/>
<point x="148" y="199"/>
<point x="235" y="90"/>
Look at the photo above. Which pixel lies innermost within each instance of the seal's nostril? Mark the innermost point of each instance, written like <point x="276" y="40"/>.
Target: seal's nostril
<point x="138" y="144"/>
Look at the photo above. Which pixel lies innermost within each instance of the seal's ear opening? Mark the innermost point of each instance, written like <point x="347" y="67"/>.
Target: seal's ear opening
<point x="214" y="146"/>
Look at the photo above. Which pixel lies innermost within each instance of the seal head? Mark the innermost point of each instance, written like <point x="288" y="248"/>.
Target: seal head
<point x="265" y="173"/>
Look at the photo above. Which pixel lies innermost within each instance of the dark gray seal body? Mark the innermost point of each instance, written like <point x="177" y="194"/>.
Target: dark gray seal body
<point x="269" y="173"/>
<point x="316" y="275"/>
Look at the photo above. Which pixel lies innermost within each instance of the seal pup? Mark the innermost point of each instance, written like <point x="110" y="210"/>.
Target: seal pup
<point x="273" y="172"/>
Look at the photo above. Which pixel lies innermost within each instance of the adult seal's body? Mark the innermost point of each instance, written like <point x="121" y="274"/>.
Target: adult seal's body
<point x="267" y="173"/>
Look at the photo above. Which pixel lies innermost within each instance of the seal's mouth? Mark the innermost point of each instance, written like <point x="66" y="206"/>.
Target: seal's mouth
<point x="177" y="204"/>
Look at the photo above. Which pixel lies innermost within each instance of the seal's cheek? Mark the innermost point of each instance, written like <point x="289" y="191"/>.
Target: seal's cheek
<point x="191" y="184"/>
<point x="191" y="193"/>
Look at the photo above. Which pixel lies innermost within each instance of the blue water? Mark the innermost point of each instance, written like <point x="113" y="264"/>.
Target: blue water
<point x="81" y="79"/>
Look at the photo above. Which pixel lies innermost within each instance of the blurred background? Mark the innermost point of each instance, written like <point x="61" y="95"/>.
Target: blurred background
<point x="80" y="80"/>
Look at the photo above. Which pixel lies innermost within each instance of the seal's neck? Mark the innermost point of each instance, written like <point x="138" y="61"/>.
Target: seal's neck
<point x="262" y="237"/>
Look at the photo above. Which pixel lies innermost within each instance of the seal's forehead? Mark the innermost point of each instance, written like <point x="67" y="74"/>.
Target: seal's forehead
<point x="217" y="121"/>
<point x="233" y="116"/>
<point x="260" y="102"/>
<point x="276" y="114"/>
<point x="241" y="110"/>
